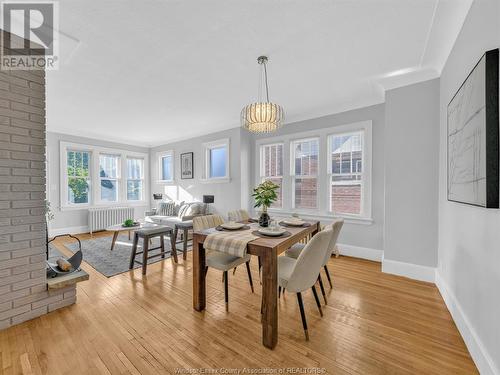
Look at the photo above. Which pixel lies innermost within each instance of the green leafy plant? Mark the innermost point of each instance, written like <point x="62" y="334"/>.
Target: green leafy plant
<point x="128" y="223"/>
<point x="265" y="194"/>
<point x="48" y="212"/>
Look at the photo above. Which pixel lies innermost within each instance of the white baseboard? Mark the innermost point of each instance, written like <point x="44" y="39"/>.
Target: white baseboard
<point x="68" y="230"/>
<point x="481" y="358"/>
<point x="361" y="252"/>
<point x="413" y="271"/>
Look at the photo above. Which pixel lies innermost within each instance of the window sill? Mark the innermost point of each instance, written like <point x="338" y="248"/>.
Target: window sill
<point x="102" y="205"/>
<point x="321" y="216"/>
<point x="221" y="180"/>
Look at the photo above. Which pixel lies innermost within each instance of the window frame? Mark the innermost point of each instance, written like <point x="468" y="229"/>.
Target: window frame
<point x="65" y="178"/>
<point x="117" y="179"/>
<point x="160" y="157"/>
<point x="363" y="209"/>
<point x="94" y="191"/>
<point x="323" y="210"/>
<point x="127" y="179"/>
<point x="294" y="176"/>
<point x="207" y="147"/>
<point x="262" y="168"/>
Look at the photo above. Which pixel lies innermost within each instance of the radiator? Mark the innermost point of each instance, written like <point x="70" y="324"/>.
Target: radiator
<point x="101" y="218"/>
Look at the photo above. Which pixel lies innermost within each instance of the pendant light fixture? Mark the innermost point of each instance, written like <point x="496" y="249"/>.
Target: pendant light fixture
<point x="262" y="116"/>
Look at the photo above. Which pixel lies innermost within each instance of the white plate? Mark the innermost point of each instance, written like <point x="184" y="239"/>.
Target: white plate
<point x="294" y="222"/>
<point x="271" y="233"/>
<point x="232" y="225"/>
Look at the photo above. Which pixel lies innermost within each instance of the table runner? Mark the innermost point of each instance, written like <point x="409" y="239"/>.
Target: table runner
<point x="233" y="243"/>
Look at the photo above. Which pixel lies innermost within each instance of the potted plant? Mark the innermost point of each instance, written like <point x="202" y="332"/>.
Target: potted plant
<point x="48" y="217"/>
<point x="265" y="194"/>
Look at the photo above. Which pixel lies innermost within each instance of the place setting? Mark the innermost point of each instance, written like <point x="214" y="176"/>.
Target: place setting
<point x="273" y="230"/>
<point x="232" y="226"/>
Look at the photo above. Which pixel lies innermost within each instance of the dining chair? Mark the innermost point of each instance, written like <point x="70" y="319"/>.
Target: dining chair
<point x="295" y="250"/>
<point x="238" y="215"/>
<point x="219" y="260"/>
<point x="298" y="275"/>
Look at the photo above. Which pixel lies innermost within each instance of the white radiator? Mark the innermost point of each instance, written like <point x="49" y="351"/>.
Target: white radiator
<point x="101" y="218"/>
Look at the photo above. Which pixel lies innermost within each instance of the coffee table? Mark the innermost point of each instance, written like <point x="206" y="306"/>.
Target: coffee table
<point x="116" y="229"/>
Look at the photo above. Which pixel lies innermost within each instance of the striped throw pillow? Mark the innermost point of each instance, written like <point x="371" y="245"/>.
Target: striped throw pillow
<point x="166" y="209"/>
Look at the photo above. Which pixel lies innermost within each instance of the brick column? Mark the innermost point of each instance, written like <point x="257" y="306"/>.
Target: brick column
<point x="23" y="288"/>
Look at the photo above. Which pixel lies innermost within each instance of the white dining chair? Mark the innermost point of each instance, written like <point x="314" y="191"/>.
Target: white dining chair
<point x="238" y="215"/>
<point x="295" y="250"/>
<point x="298" y="275"/>
<point x="219" y="260"/>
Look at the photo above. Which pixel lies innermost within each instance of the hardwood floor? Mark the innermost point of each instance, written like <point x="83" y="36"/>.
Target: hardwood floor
<point x="374" y="323"/>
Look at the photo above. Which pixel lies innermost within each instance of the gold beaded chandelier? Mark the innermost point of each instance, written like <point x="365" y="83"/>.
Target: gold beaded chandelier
<point x="262" y="117"/>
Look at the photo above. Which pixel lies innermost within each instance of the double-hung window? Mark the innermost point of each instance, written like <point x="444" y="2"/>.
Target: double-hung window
<point x="166" y="166"/>
<point x="345" y="153"/>
<point x="109" y="176"/>
<point x="217" y="160"/>
<point x="78" y="177"/>
<point x="304" y="173"/>
<point x="135" y="179"/>
<point x="271" y="168"/>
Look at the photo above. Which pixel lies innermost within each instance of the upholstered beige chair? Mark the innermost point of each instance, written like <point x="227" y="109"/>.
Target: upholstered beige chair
<point x="298" y="275"/>
<point x="218" y="260"/>
<point x="296" y="249"/>
<point x="238" y="215"/>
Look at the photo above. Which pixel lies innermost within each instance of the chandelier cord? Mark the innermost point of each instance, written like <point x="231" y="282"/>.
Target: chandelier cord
<point x="265" y="77"/>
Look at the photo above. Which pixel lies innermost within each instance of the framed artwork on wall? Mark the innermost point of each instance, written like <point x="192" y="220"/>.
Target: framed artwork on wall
<point x="473" y="136"/>
<point x="187" y="167"/>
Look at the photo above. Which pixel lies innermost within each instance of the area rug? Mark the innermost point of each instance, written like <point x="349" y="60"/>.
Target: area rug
<point x="97" y="252"/>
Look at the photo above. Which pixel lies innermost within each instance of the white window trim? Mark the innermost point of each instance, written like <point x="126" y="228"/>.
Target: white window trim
<point x="262" y="172"/>
<point x="293" y="176"/>
<point x="118" y="179"/>
<point x="142" y="179"/>
<point x="206" y="179"/>
<point x="94" y="176"/>
<point x="324" y="207"/>
<point x="159" y="157"/>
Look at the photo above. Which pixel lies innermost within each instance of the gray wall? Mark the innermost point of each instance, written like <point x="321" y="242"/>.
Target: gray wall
<point x="369" y="236"/>
<point x="411" y="173"/>
<point x="76" y="219"/>
<point x="469" y="237"/>
<point x="227" y="194"/>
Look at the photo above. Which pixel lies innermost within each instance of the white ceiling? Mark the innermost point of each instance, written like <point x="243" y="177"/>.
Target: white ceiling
<point x="152" y="72"/>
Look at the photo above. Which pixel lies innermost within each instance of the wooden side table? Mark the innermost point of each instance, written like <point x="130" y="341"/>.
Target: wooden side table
<point x="185" y="227"/>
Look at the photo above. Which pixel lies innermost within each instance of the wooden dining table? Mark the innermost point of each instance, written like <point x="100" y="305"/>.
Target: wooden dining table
<point x="267" y="249"/>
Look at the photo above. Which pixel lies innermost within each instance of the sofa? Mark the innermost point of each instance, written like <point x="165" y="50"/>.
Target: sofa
<point x="173" y="212"/>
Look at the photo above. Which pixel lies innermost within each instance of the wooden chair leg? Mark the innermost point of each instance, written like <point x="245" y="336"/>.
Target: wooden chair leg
<point x="145" y="254"/>
<point x="173" y="244"/>
<point x="328" y="276"/>
<point x="226" y="290"/>
<point x="322" y="288"/>
<point x="162" y="246"/>
<point x="279" y="292"/>
<point x="185" y="244"/>
<point x="303" y="315"/>
<point x="249" y="275"/>
<point x="206" y="271"/>
<point x="234" y="270"/>
<point x="317" y="300"/>
<point x="134" y="250"/>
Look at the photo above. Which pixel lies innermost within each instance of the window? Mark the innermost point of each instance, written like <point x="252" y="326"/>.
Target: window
<point x="304" y="171"/>
<point x="321" y="173"/>
<point x="346" y="173"/>
<point x="166" y="164"/>
<point x="109" y="174"/>
<point x="78" y="177"/>
<point x="135" y="179"/>
<point x="93" y="176"/>
<point x="271" y="168"/>
<point x="217" y="160"/>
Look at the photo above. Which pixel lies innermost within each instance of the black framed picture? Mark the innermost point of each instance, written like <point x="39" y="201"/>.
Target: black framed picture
<point x="187" y="167"/>
<point x="473" y="136"/>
